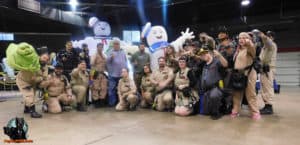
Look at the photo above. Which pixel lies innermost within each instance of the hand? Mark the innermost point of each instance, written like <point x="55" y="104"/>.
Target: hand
<point x="187" y="34"/>
<point x="64" y="59"/>
<point x="112" y="56"/>
<point x="161" y="85"/>
<point x="81" y="55"/>
<point x="70" y="97"/>
<point x="217" y="53"/>
<point x="247" y="42"/>
<point x="180" y="87"/>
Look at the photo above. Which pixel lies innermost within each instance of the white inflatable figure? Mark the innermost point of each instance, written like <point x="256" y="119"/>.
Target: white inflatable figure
<point x="157" y="40"/>
<point x="102" y="32"/>
<point x="101" y="29"/>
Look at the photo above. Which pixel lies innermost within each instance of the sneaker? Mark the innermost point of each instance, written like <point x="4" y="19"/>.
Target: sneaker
<point x="234" y="114"/>
<point x="256" y="116"/>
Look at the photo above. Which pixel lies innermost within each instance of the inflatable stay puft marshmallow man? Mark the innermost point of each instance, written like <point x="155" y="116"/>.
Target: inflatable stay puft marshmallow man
<point x="157" y="39"/>
<point x="101" y="31"/>
<point x="101" y="28"/>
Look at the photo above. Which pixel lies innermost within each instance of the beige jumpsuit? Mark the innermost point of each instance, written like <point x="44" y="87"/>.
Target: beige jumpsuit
<point x="59" y="91"/>
<point x="28" y="82"/>
<point x="268" y="57"/>
<point x="147" y="88"/>
<point x="127" y="94"/>
<point x="163" y="98"/>
<point x="182" y="102"/>
<point x="79" y="83"/>
<point x="100" y="83"/>
<point x="245" y="58"/>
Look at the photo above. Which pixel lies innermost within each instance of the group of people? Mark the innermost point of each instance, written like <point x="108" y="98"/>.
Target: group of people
<point x="203" y="77"/>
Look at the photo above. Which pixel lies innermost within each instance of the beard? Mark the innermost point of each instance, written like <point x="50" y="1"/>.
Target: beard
<point x="161" y="65"/>
<point x="43" y="63"/>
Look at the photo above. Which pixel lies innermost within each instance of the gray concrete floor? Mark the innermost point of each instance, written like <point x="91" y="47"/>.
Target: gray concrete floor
<point x="146" y="127"/>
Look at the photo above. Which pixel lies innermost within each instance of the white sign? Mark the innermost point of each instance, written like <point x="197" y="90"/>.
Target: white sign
<point x="30" y="5"/>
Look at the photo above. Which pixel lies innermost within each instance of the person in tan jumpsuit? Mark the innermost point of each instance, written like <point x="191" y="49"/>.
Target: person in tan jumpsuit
<point x="186" y="95"/>
<point x="126" y="93"/>
<point x="58" y="89"/>
<point x="243" y="58"/>
<point x="28" y="82"/>
<point x="79" y="83"/>
<point x="100" y="82"/>
<point x="147" y="88"/>
<point x="163" y="79"/>
<point x="268" y="58"/>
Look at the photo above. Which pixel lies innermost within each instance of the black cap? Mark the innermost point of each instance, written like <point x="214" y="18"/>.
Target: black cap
<point x="223" y="29"/>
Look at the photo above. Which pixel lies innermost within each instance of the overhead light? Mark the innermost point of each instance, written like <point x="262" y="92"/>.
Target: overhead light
<point x="245" y="2"/>
<point x="164" y="1"/>
<point x="73" y="3"/>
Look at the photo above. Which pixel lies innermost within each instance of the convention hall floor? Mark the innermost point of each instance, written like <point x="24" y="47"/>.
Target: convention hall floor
<point x="146" y="127"/>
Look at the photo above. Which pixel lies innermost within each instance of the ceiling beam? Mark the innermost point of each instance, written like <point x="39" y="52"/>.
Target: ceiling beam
<point x="87" y="4"/>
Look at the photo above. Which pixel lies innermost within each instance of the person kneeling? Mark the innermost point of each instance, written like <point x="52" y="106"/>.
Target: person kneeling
<point x="147" y="88"/>
<point x="126" y="93"/>
<point x="211" y="76"/>
<point x="162" y="79"/>
<point x="186" y="96"/>
<point x="58" y="89"/>
<point x="79" y="82"/>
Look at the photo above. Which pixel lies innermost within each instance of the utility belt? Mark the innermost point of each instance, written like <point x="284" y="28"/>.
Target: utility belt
<point x="164" y="89"/>
<point x="265" y="68"/>
<point x="185" y="91"/>
<point x="97" y="73"/>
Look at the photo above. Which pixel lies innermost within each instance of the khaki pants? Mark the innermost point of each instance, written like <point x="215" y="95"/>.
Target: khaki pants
<point x="99" y="87"/>
<point x="125" y="102"/>
<point x="164" y="100"/>
<point x="54" y="103"/>
<point x="267" y="89"/>
<point x="27" y="91"/>
<point x="146" y="99"/>
<point x="80" y="93"/>
<point x="137" y="81"/>
<point x="250" y="95"/>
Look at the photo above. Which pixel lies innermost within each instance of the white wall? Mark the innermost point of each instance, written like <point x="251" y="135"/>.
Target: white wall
<point x="288" y="69"/>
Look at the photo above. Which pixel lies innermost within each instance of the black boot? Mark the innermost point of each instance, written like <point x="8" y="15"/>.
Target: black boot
<point x="216" y="116"/>
<point x="132" y="108"/>
<point x="33" y="113"/>
<point x="267" y="110"/>
<point x="102" y="102"/>
<point x="81" y="107"/>
<point x="26" y="110"/>
<point x="97" y="103"/>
